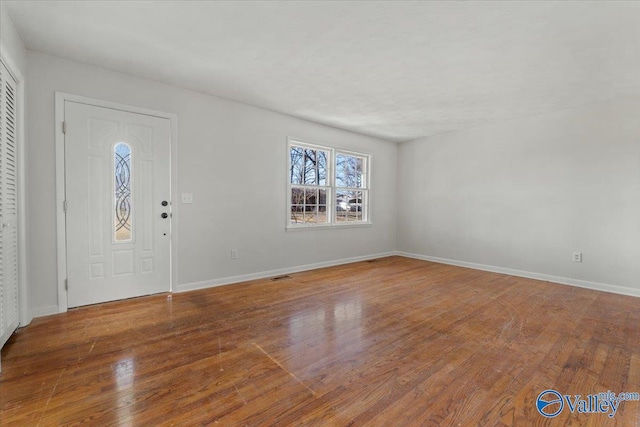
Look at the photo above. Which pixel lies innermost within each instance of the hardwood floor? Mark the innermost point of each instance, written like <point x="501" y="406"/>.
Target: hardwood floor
<point x="387" y="343"/>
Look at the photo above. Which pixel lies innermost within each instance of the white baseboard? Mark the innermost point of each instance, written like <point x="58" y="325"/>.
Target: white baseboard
<point x="44" y="311"/>
<point x="53" y="309"/>
<point x="270" y="273"/>
<point x="604" y="287"/>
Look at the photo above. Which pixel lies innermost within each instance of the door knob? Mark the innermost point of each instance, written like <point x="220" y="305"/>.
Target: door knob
<point x="164" y="215"/>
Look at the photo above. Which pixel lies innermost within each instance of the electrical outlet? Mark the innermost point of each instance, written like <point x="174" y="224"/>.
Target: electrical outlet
<point x="577" y="257"/>
<point x="234" y="254"/>
<point x="187" y="198"/>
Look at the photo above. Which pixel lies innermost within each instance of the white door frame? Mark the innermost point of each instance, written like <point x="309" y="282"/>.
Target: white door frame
<point x="23" y="291"/>
<point x="61" y="98"/>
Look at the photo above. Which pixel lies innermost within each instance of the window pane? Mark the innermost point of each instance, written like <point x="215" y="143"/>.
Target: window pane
<point x="342" y="205"/>
<point x="356" y="206"/>
<point x="297" y="216"/>
<point x="297" y="196"/>
<point x="311" y="215"/>
<point x="297" y="205"/>
<point x="341" y="174"/>
<point x="122" y="184"/>
<point x="322" y="214"/>
<point x="296" y="173"/>
<point x="310" y="169"/>
<point x="319" y="214"/>
<point x="349" y="171"/>
<point x="311" y="196"/>
<point x="355" y="202"/>
<point x="322" y="167"/>
<point x="308" y="205"/>
<point x="350" y="206"/>
<point x="322" y="197"/>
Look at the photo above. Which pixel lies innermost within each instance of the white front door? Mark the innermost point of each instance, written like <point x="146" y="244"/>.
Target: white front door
<point x="118" y="220"/>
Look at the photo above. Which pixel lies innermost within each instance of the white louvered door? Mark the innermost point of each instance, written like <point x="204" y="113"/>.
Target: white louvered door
<point x="9" y="313"/>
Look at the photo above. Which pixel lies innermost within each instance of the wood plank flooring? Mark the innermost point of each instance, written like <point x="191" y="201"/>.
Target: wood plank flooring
<point x="394" y="342"/>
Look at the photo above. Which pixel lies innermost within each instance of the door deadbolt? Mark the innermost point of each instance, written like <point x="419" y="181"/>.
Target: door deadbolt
<point x="164" y="203"/>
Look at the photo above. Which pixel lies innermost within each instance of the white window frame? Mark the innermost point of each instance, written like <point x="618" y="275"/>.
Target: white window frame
<point x="331" y="188"/>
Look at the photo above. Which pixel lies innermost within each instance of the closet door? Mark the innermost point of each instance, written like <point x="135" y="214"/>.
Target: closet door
<point x="8" y="207"/>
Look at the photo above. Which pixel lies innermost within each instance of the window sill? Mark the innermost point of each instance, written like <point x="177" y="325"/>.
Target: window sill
<point x="328" y="227"/>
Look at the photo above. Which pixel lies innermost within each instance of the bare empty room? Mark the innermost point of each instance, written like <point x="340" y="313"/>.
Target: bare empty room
<point x="355" y="213"/>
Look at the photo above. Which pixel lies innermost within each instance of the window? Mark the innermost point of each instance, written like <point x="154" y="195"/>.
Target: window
<point x="122" y="192"/>
<point x="326" y="186"/>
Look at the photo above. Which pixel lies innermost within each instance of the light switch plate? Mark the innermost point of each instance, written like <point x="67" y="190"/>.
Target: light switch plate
<point x="187" y="198"/>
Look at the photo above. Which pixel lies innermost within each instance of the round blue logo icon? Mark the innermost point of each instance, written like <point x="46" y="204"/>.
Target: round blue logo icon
<point x="549" y="403"/>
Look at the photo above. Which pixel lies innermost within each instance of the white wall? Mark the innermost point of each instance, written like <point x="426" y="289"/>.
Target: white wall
<point x="521" y="195"/>
<point x="11" y="40"/>
<point x="526" y="194"/>
<point x="231" y="156"/>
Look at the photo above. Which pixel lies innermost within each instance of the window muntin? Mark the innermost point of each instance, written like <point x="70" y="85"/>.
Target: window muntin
<point x="122" y="192"/>
<point x="326" y="186"/>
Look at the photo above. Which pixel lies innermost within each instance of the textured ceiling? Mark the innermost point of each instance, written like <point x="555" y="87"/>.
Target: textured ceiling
<point x="395" y="70"/>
